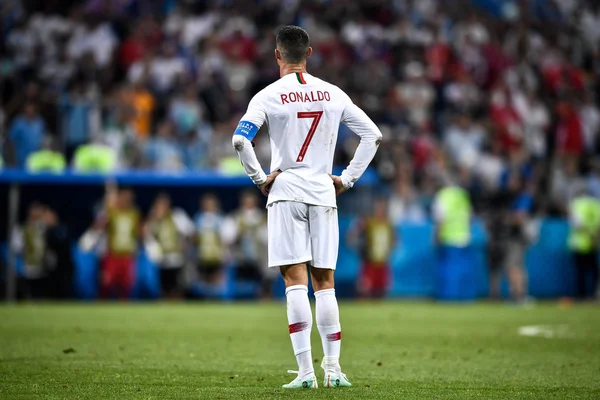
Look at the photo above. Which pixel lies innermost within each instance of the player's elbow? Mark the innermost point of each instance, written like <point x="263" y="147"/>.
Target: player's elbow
<point x="378" y="136"/>
<point x="238" y="142"/>
<point x="375" y="136"/>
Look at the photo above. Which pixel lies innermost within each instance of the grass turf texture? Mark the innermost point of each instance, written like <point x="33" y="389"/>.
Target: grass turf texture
<point x="242" y="351"/>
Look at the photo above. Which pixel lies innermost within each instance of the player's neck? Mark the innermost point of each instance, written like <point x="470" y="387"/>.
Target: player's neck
<point x="287" y="69"/>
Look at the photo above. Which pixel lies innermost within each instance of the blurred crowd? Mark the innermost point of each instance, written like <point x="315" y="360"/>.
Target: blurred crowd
<point x="498" y="97"/>
<point x="462" y="91"/>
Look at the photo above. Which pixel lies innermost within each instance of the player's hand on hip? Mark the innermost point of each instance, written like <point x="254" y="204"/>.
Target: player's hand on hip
<point x="337" y="183"/>
<point x="265" y="187"/>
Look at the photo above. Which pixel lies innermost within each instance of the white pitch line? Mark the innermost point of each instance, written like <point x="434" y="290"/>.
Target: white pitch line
<point x="545" y="331"/>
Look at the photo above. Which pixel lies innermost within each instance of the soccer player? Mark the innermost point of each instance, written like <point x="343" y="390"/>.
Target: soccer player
<point x="303" y="114"/>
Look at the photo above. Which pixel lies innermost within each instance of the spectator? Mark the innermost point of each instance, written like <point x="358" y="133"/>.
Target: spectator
<point x="119" y="222"/>
<point x="462" y="94"/>
<point x="185" y="112"/>
<point x="245" y="232"/>
<point x="22" y="44"/>
<point x="93" y="37"/>
<point x="143" y="105"/>
<point x="508" y="127"/>
<point x="375" y="238"/>
<point x="167" y="69"/>
<point x="536" y="121"/>
<point x="26" y="133"/>
<point x="47" y="159"/>
<point x="589" y="116"/>
<point x="210" y="251"/>
<point x="510" y="212"/>
<point x="164" y="152"/>
<point x="30" y="242"/>
<point x="464" y="141"/>
<point x="569" y="132"/>
<point x="58" y="260"/>
<point x="95" y="157"/>
<point x="416" y="94"/>
<point x="120" y="136"/>
<point x="58" y="72"/>
<point x="77" y="110"/>
<point x="166" y="232"/>
<point x="584" y="217"/>
<point x="452" y="212"/>
<point x="404" y="204"/>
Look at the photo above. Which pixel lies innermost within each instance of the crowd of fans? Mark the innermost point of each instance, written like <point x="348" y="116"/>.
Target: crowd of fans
<point x="497" y="97"/>
<point x="459" y="93"/>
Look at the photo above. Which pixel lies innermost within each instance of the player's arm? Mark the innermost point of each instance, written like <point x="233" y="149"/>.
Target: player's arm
<point x="242" y="143"/>
<point x="370" y="137"/>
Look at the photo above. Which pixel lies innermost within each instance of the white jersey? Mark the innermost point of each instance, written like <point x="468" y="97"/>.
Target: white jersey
<point x="303" y="114"/>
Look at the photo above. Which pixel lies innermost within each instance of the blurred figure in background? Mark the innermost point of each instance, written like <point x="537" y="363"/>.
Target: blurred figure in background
<point x="584" y="218"/>
<point x="166" y="233"/>
<point x="78" y="111"/>
<point x="95" y="157"/>
<point x="452" y="215"/>
<point x="164" y="152"/>
<point x="26" y="134"/>
<point x="507" y="221"/>
<point x="47" y="159"/>
<point x="29" y="242"/>
<point x="58" y="258"/>
<point x="119" y="222"/>
<point x="245" y="231"/>
<point x="210" y="252"/>
<point x="375" y="238"/>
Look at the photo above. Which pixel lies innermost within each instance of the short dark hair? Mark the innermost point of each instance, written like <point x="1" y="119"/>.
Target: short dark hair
<point x="293" y="43"/>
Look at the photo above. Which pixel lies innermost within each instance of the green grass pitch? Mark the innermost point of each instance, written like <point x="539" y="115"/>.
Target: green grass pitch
<point x="390" y="350"/>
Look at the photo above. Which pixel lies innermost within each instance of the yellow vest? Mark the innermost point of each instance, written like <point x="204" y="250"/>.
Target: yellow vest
<point x="46" y="161"/>
<point x="380" y="240"/>
<point x="122" y="231"/>
<point x="583" y="238"/>
<point x="455" y="229"/>
<point x="94" y="158"/>
<point x="167" y="236"/>
<point x="34" y="245"/>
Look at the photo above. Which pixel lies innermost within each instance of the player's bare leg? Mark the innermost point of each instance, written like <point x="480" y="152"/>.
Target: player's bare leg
<point x="328" y="323"/>
<point x="300" y="324"/>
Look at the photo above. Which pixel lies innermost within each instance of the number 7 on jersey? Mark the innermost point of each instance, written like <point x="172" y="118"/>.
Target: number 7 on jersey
<point x="316" y="116"/>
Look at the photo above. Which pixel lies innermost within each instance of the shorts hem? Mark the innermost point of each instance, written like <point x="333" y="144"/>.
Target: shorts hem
<point x="289" y="262"/>
<point x="324" y="267"/>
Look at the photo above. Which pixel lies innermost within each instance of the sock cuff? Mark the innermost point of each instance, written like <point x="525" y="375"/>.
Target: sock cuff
<point x="326" y="292"/>
<point x="296" y="287"/>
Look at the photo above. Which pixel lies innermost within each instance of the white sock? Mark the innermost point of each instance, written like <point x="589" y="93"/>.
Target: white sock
<point x="328" y="323"/>
<point x="300" y="324"/>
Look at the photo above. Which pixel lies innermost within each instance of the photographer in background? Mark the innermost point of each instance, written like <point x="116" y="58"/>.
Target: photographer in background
<point x="508" y="220"/>
<point x="210" y="251"/>
<point x="29" y="241"/>
<point x="584" y="219"/>
<point x="118" y="228"/>
<point x="166" y="235"/>
<point x="375" y="239"/>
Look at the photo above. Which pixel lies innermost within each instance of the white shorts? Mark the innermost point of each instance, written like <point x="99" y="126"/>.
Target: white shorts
<point x="301" y="233"/>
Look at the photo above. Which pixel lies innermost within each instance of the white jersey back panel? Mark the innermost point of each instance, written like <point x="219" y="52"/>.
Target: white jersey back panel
<point x="303" y="114"/>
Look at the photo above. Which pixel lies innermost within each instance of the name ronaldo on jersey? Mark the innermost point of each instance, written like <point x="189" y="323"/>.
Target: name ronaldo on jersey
<point x="305" y="97"/>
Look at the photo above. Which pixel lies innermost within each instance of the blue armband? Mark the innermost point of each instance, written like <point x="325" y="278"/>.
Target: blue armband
<point x="246" y="129"/>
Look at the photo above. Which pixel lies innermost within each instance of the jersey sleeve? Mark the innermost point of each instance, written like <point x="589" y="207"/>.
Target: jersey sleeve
<point x="370" y="136"/>
<point x="253" y="119"/>
<point x="245" y="132"/>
